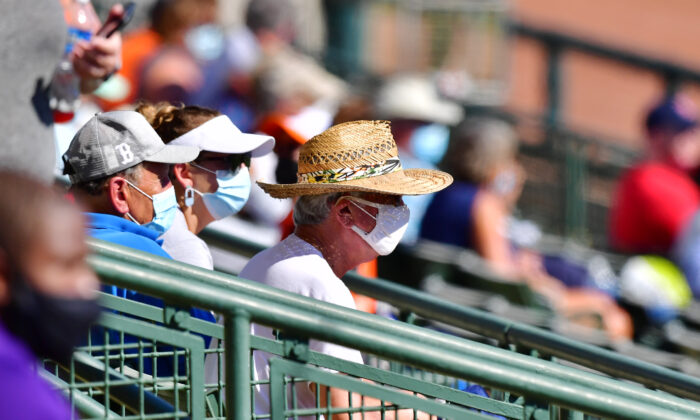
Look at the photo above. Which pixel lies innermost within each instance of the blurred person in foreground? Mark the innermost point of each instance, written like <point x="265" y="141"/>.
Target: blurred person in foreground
<point x="34" y="35"/>
<point x="118" y="167"/>
<point x="47" y="294"/>
<point x="349" y="210"/>
<point x="211" y="187"/>
<point x="474" y="212"/>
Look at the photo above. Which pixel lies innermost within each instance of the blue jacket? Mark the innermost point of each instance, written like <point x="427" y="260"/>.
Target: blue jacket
<point x="124" y="232"/>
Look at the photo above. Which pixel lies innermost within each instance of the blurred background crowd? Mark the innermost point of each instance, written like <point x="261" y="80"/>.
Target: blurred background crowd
<point x="575" y="149"/>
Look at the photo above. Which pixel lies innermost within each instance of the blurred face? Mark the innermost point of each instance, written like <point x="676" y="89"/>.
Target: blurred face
<point x="684" y="150"/>
<point x="507" y="181"/>
<point x="55" y="264"/>
<point x="153" y="180"/>
<point x="50" y="300"/>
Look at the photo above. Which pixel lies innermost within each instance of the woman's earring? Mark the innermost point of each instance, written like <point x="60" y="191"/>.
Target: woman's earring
<point x="189" y="196"/>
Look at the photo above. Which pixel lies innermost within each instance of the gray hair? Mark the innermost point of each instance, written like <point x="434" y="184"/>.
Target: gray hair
<point x="313" y="209"/>
<point x="476" y="146"/>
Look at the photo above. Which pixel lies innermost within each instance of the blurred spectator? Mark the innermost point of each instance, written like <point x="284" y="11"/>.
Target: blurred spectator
<point x="656" y="285"/>
<point x="287" y="81"/>
<point x="119" y="170"/>
<point x="47" y="294"/>
<point x="657" y="198"/>
<point x="151" y="53"/>
<point x="213" y="186"/>
<point x="33" y="45"/>
<point x="419" y="121"/>
<point x="473" y="213"/>
<point x="349" y="183"/>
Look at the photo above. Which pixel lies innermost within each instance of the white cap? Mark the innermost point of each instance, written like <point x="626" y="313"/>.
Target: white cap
<point x="220" y="135"/>
<point x="416" y="97"/>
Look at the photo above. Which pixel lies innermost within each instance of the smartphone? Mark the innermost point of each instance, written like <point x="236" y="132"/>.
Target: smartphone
<point x="116" y="23"/>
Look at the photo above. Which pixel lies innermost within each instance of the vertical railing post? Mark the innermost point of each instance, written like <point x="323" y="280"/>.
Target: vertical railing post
<point x="552" y="120"/>
<point x="672" y="84"/>
<point x="237" y="347"/>
<point x="575" y="192"/>
<point x="554" y="54"/>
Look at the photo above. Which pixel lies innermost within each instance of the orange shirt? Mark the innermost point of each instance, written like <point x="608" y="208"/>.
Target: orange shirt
<point x="137" y="47"/>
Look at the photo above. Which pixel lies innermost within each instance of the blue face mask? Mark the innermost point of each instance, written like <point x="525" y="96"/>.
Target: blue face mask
<point x="164" y="209"/>
<point x="206" y="42"/>
<point x="505" y="182"/>
<point x="429" y="143"/>
<point x="230" y="197"/>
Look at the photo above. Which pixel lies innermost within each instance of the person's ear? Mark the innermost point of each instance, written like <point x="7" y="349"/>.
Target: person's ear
<point x="341" y="212"/>
<point x="183" y="174"/>
<point x="4" y="279"/>
<point x="119" y="193"/>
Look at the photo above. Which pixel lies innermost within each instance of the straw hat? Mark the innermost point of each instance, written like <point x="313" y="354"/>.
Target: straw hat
<point x="356" y="156"/>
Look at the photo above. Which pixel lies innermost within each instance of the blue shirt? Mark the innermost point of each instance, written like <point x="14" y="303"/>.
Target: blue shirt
<point x="23" y="394"/>
<point x="449" y="217"/>
<point x="127" y="233"/>
<point x="120" y="231"/>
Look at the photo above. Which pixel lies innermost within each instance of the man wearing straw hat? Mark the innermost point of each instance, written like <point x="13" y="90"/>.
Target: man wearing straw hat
<point x="348" y="211"/>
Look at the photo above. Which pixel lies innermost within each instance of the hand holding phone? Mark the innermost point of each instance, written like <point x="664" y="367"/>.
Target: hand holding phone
<point x="116" y="22"/>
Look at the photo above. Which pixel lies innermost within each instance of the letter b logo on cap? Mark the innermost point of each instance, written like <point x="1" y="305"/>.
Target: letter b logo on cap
<point x="125" y="152"/>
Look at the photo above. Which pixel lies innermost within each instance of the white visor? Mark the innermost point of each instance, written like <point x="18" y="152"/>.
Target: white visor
<point x="220" y="135"/>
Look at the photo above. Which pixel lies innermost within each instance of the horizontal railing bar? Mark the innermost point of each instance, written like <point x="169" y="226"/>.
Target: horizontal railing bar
<point x="279" y="367"/>
<point x="317" y="321"/>
<point x="86" y="405"/>
<point x="557" y="39"/>
<point x="470" y="319"/>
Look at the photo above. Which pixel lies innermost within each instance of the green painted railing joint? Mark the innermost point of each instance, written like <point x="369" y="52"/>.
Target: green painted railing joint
<point x="176" y="318"/>
<point x="297" y="350"/>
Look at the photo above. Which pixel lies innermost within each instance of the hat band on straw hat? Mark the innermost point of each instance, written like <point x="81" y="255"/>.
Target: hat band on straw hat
<point x="329" y="176"/>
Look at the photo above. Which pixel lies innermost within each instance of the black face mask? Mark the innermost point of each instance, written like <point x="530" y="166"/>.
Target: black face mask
<point x="51" y="326"/>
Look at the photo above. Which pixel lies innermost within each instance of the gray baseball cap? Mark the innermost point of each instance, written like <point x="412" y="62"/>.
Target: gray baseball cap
<point x="111" y="142"/>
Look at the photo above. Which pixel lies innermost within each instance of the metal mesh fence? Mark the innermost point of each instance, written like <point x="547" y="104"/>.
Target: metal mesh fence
<point x="463" y="44"/>
<point x="134" y="367"/>
<point x="415" y="369"/>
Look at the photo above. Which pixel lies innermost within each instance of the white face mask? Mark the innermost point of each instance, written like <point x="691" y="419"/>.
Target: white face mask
<point x="391" y="224"/>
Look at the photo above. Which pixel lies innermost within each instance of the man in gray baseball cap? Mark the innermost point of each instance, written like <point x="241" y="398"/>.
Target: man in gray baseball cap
<point x="119" y="169"/>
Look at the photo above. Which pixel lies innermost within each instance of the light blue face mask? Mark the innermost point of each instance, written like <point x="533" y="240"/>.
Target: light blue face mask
<point x="505" y="182"/>
<point x="229" y="198"/>
<point x="164" y="209"/>
<point x="206" y="42"/>
<point x="429" y="142"/>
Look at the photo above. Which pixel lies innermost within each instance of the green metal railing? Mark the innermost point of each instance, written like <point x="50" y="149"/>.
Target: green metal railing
<point x="243" y="302"/>
<point x="507" y="333"/>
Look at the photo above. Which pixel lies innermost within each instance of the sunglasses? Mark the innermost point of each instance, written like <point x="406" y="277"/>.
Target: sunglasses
<point x="232" y="162"/>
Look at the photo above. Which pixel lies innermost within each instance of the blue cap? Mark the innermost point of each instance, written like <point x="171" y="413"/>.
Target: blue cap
<point x="674" y="114"/>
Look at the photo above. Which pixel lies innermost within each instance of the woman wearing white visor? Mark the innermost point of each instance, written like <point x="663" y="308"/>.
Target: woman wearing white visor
<point x="213" y="186"/>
